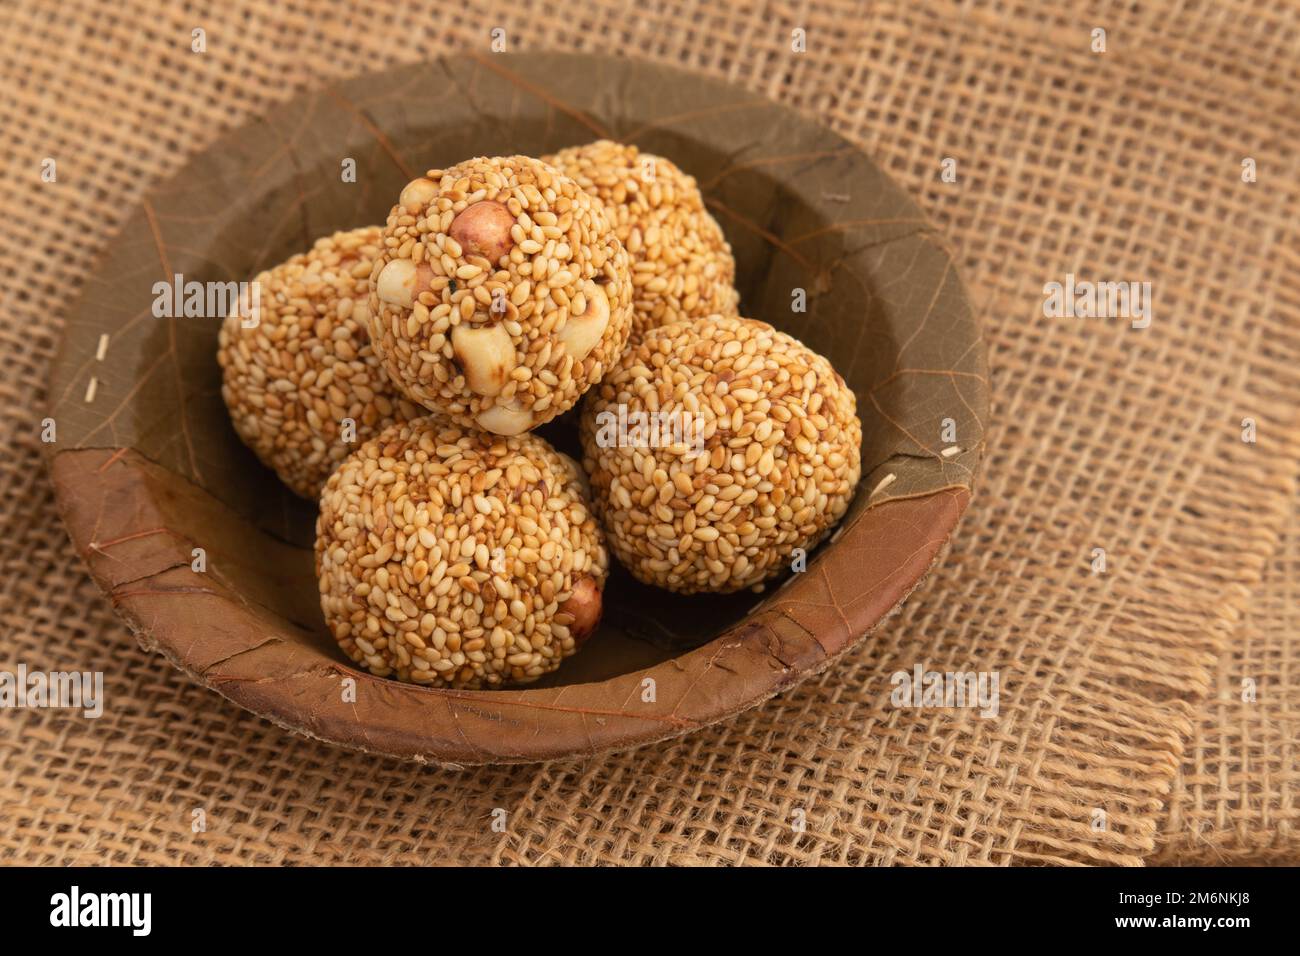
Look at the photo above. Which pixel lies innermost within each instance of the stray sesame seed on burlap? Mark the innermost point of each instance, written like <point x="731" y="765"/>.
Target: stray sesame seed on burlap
<point x="453" y="557"/>
<point x="300" y="373"/>
<point x="682" y="267"/>
<point x="1127" y="161"/>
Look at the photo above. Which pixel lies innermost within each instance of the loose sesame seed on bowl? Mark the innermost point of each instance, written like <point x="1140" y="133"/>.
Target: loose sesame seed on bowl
<point x="299" y="377"/>
<point x="682" y="267"/>
<point x="452" y="557"/>
<point x="714" y="449"/>
<point x="501" y="295"/>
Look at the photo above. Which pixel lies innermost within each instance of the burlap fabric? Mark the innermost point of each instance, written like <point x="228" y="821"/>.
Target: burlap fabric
<point x="1122" y="165"/>
<point x="1236" y="798"/>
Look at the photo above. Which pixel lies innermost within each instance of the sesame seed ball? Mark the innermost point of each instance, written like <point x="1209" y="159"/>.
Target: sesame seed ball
<point x="502" y="293"/>
<point x="682" y="267"/>
<point x="304" y="365"/>
<point x="772" y="466"/>
<point x="456" y="558"/>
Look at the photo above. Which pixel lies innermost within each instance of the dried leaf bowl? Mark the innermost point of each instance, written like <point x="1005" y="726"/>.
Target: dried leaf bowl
<point x="147" y="467"/>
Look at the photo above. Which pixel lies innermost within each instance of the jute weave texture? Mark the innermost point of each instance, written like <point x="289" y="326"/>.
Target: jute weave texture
<point x="1120" y="692"/>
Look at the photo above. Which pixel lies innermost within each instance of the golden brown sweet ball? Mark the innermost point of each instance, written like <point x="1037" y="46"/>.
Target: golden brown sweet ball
<point x="682" y="267"/>
<point x="302" y="384"/>
<point x="714" y="449"/>
<point x="453" y="557"/>
<point x="501" y="295"/>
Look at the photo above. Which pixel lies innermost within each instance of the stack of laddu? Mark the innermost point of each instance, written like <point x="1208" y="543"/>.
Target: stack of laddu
<point x="397" y="372"/>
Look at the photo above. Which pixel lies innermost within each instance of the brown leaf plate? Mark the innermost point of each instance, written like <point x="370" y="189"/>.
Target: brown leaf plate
<point x="148" y="468"/>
